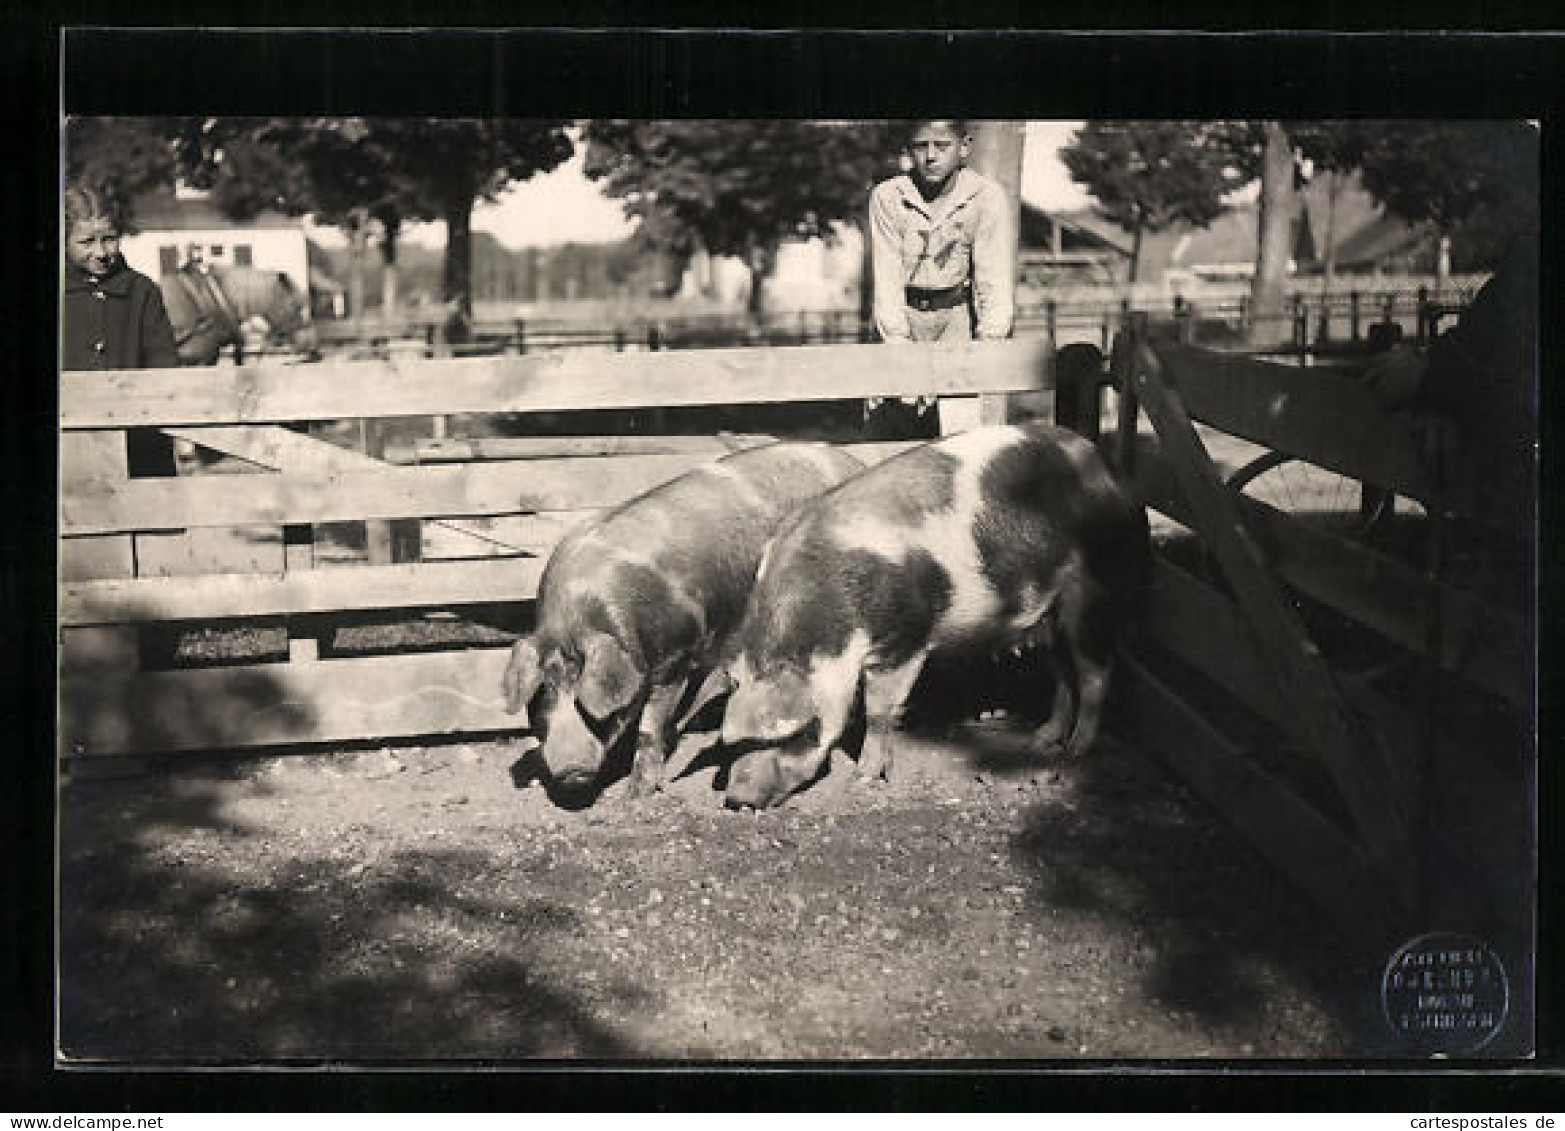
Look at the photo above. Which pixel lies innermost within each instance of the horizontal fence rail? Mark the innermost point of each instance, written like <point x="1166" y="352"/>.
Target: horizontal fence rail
<point x="543" y="383"/>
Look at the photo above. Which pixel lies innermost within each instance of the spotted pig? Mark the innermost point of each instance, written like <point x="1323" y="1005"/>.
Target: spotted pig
<point x="634" y="607"/>
<point x="997" y="537"/>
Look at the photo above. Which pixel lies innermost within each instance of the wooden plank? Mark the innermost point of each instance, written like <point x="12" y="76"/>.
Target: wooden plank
<point x="409" y="586"/>
<point x="536" y="534"/>
<point x="277" y="449"/>
<point x="1303" y="844"/>
<point x="97" y="456"/>
<point x="561" y="447"/>
<point x="1491" y="645"/>
<point x="380" y="491"/>
<point x="389" y="491"/>
<point x="280" y="449"/>
<point x="266" y="704"/>
<point x="1190" y="620"/>
<point x="1324" y="416"/>
<point x="1195" y="623"/>
<point x="552" y="382"/>
<point x="1289" y="657"/>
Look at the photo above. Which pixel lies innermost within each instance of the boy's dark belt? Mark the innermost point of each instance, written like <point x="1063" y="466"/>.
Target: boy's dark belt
<point x="943" y="298"/>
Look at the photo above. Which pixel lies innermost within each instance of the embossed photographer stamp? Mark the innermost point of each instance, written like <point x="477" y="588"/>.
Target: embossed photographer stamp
<point x="1445" y="994"/>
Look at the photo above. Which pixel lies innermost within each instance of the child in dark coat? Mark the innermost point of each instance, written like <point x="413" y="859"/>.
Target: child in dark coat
<point x="111" y="317"/>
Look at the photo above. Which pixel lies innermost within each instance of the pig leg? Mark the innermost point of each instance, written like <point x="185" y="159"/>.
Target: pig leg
<point x="1094" y="673"/>
<point x="1087" y="621"/>
<point x="655" y="739"/>
<point x="1050" y="736"/>
<point x="885" y="697"/>
<point x="716" y="684"/>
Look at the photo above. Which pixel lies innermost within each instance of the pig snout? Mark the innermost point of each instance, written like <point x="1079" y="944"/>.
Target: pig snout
<point x="572" y="754"/>
<point x="754" y="781"/>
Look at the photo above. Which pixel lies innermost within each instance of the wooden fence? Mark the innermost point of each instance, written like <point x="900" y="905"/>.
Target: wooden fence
<point x="1343" y="784"/>
<point x="131" y="564"/>
<point x="1388" y="794"/>
<point x="1070" y="315"/>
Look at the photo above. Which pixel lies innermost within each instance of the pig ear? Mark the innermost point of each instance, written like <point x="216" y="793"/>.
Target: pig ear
<point x="522" y="675"/>
<point x="717" y="684"/>
<point x="609" y="681"/>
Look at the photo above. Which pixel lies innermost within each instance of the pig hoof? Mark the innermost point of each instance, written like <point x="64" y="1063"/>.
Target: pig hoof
<point x="643" y="786"/>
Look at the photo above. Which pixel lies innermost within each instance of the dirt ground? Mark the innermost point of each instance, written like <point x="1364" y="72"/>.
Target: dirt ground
<point x="435" y="904"/>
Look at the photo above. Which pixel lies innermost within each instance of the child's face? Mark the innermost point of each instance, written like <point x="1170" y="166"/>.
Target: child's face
<point x="937" y="151"/>
<point x="92" y="244"/>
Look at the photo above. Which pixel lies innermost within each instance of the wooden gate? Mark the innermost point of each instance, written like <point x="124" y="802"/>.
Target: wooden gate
<point x="1340" y="773"/>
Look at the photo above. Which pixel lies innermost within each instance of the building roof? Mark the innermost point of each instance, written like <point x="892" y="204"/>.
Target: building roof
<point x="162" y="212"/>
<point x="1365" y="233"/>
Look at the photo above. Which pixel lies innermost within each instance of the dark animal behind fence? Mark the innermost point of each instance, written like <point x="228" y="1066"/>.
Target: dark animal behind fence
<point x="210" y="308"/>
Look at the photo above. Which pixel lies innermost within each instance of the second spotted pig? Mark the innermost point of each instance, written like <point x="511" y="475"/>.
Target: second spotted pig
<point x="634" y="607"/>
<point x="988" y="539"/>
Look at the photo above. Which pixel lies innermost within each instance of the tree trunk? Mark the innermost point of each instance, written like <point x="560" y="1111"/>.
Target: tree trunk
<point x="761" y="259"/>
<point x="358" y="240"/>
<point x="997" y="154"/>
<point x="457" y="277"/>
<point x="866" y="286"/>
<point x="1269" y="324"/>
<point x="388" y="285"/>
<point x="1333" y="193"/>
<point x="1135" y="257"/>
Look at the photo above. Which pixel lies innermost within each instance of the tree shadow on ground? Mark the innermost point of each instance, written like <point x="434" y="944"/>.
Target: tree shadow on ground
<point x="1228" y="935"/>
<point x="1114" y="834"/>
<point x="191" y="933"/>
<point x="168" y="957"/>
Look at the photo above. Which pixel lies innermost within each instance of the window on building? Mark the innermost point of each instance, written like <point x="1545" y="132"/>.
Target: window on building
<point x="168" y="259"/>
<point x="217" y="251"/>
<point x="242" y="255"/>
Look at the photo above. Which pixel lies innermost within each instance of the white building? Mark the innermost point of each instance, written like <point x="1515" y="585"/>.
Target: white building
<point x="807" y="274"/>
<point x="169" y="227"/>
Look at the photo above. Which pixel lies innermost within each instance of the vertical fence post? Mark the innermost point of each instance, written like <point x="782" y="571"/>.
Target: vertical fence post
<point x="1181" y="320"/>
<point x="521" y="335"/>
<point x="388" y="540"/>
<point x="1123" y="363"/>
<point x="1323" y="326"/>
<point x="1051" y="314"/>
<point x="1244" y="315"/>
<point x="654" y="336"/>
<point x="1301" y="329"/>
<point x="1353" y="314"/>
<point x="619" y="339"/>
<point x="304" y="633"/>
<point x="1423" y="317"/>
<point x="1078" y="380"/>
<point x="438" y="425"/>
<point x="1388" y="308"/>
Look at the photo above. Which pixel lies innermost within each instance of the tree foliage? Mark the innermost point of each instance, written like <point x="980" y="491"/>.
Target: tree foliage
<point x="739" y="187"/>
<point x="1148" y="176"/>
<point x="349" y="170"/>
<point x="123" y="157"/>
